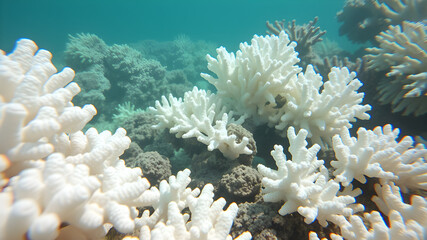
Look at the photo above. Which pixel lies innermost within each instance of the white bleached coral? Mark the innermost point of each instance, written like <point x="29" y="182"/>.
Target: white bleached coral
<point x="59" y="177"/>
<point x="208" y="220"/>
<point x="322" y="113"/>
<point x="35" y="104"/>
<point x="390" y="199"/>
<point x="304" y="185"/>
<point x="376" y="153"/>
<point x="58" y="182"/>
<point x="250" y="81"/>
<point x="201" y="115"/>
<point x="262" y="82"/>
<point x="355" y="229"/>
<point x="405" y="221"/>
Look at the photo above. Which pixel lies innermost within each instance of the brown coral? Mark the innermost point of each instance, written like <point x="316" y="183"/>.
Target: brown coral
<point x="305" y="35"/>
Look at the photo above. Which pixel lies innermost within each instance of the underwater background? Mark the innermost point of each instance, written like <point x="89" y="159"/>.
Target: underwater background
<point x="128" y="54"/>
<point x="226" y="23"/>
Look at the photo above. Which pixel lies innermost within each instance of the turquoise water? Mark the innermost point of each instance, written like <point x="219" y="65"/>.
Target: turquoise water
<point x="224" y="22"/>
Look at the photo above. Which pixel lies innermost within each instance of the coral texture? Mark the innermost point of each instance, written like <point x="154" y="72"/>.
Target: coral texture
<point x="200" y="115"/>
<point x="208" y="220"/>
<point x="118" y="74"/>
<point x="251" y="81"/>
<point x="303" y="183"/>
<point x="396" y="11"/>
<point x="54" y="166"/>
<point x="306" y="36"/>
<point x="241" y="182"/>
<point x="154" y="166"/>
<point x="262" y="82"/>
<point x="322" y="113"/>
<point x="376" y="153"/>
<point x="402" y="52"/>
<point x="58" y="182"/>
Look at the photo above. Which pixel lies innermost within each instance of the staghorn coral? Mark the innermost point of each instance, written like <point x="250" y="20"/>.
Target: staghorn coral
<point x="167" y="221"/>
<point x="304" y="185"/>
<point x="358" y="65"/>
<point x="324" y="113"/>
<point x="61" y="183"/>
<point x="306" y="36"/>
<point x="376" y="153"/>
<point x="403" y="51"/>
<point x="250" y="82"/>
<point x="201" y="115"/>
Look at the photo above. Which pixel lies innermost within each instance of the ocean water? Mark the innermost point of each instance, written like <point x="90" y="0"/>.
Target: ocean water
<point x="226" y="23"/>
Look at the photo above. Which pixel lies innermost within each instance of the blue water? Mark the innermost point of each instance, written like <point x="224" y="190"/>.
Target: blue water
<point x="223" y="22"/>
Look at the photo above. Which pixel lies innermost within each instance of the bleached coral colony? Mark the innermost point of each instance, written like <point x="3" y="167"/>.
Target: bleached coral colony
<point x="58" y="182"/>
<point x="262" y="82"/>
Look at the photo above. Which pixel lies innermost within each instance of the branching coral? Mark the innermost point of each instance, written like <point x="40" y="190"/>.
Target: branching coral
<point x="208" y="220"/>
<point x="58" y="182"/>
<point x="262" y="82"/>
<point x="323" y="113"/>
<point x="303" y="183"/>
<point x="306" y="36"/>
<point x="403" y="53"/>
<point x="201" y="115"/>
<point x="376" y="153"/>
<point x="250" y="82"/>
<point x="397" y="11"/>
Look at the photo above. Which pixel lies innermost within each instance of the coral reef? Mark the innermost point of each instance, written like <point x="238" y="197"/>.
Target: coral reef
<point x="303" y="183"/>
<point x="167" y="221"/>
<point x="139" y="128"/>
<point x="85" y="50"/>
<point x="118" y="74"/>
<point x="58" y="182"/>
<point x="61" y="178"/>
<point x="53" y="166"/>
<point x="181" y="54"/>
<point x="250" y="82"/>
<point x="262" y="82"/>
